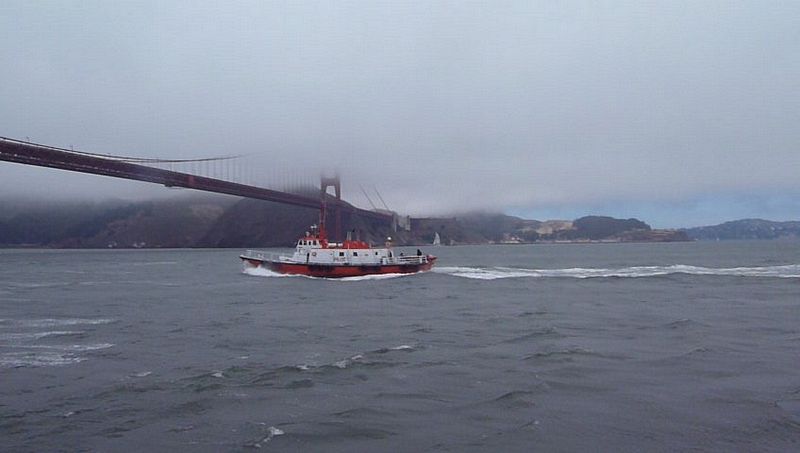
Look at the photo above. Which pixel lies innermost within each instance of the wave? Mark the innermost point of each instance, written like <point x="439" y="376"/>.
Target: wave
<point x="53" y="322"/>
<point x="70" y="347"/>
<point x="287" y="376"/>
<point x="494" y="273"/>
<point x="15" y="337"/>
<point x="29" y="359"/>
<point x="402" y="347"/>
<point x="24" y="349"/>
<point x="271" y="432"/>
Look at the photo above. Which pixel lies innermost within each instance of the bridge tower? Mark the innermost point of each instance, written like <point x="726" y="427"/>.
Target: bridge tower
<point x="336" y="183"/>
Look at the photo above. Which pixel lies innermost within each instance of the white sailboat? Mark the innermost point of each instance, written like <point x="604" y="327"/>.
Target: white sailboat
<point x="437" y="240"/>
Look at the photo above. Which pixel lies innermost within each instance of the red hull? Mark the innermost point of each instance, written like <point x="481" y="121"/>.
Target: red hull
<point x="339" y="271"/>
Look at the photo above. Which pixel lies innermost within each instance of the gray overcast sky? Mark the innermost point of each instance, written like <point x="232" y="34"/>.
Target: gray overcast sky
<point x="680" y="113"/>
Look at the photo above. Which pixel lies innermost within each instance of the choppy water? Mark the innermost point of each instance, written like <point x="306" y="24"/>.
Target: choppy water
<point x="610" y="347"/>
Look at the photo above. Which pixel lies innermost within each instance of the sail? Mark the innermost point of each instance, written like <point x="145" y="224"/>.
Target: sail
<point x="437" y="240"/>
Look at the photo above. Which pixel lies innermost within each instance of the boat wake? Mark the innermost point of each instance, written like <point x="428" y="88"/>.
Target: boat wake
<point x="262" y="272"/>
<point x="494" y="273"/>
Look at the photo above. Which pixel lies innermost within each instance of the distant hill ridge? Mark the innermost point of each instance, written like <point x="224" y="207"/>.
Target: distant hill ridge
<point x="218" y="221"/>
<point x="746" y="229"/>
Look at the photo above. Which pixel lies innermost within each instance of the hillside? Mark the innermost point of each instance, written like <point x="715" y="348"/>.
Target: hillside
<point x="746" y="229"/>
<point x="219" y="221"/>
<point x="180" y="222"/>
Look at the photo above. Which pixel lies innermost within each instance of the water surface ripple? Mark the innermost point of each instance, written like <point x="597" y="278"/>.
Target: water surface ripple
<point x="611" y="347"/>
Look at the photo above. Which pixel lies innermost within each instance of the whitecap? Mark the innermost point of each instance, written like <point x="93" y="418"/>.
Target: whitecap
<point x="271" y="432"/>
<point x="69" y="347"/>
<point x="348" y="361"/>
<point x="27" y="359"/>
<point x="16" y="337"/>
<point x="54" y="322"/>
<point x="402" y="347"/>
<point x="341" y="364"/>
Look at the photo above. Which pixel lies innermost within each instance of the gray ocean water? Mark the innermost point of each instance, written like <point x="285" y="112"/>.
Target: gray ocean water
<point x="595" y="347"/>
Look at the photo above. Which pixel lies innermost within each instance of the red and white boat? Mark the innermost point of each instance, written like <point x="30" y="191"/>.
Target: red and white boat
<point x="314" y="256"/>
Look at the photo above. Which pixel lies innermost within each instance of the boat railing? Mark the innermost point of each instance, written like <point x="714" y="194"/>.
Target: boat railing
<point x="412" y="259"/>
<point x="386" y="260"/>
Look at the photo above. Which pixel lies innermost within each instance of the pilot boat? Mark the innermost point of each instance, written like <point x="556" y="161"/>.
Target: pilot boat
<point x="314" y="256"/>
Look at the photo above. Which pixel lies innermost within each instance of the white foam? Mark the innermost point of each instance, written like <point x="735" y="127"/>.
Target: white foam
<point x="341" y="364"/>
<point x="347" y="362"/>
<point x="27" y="359"/>
<point x="54" y="322"/>
<point x="362" y="278"/>
<point x="402" y="347"/>
<point x="477" y="273"/>
<point x="263" y="272"/>
<point x="69" y="347"/>
<point x="493" y="273"/>
<point x="271" y="432"/>
<point x="16" y="337"/>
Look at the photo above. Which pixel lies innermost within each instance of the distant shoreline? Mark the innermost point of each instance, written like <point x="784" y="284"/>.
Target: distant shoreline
<point x="218" y="223"/>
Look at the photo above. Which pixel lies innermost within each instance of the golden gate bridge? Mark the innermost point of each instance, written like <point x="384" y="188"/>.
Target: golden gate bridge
<point x="212" y="174"/>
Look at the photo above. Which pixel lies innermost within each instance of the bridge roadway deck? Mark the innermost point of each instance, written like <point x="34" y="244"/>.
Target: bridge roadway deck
<point x="46" y="156"/>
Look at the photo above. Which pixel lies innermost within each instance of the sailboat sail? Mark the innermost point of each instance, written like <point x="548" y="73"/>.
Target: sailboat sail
<point x="437" y="240"/>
